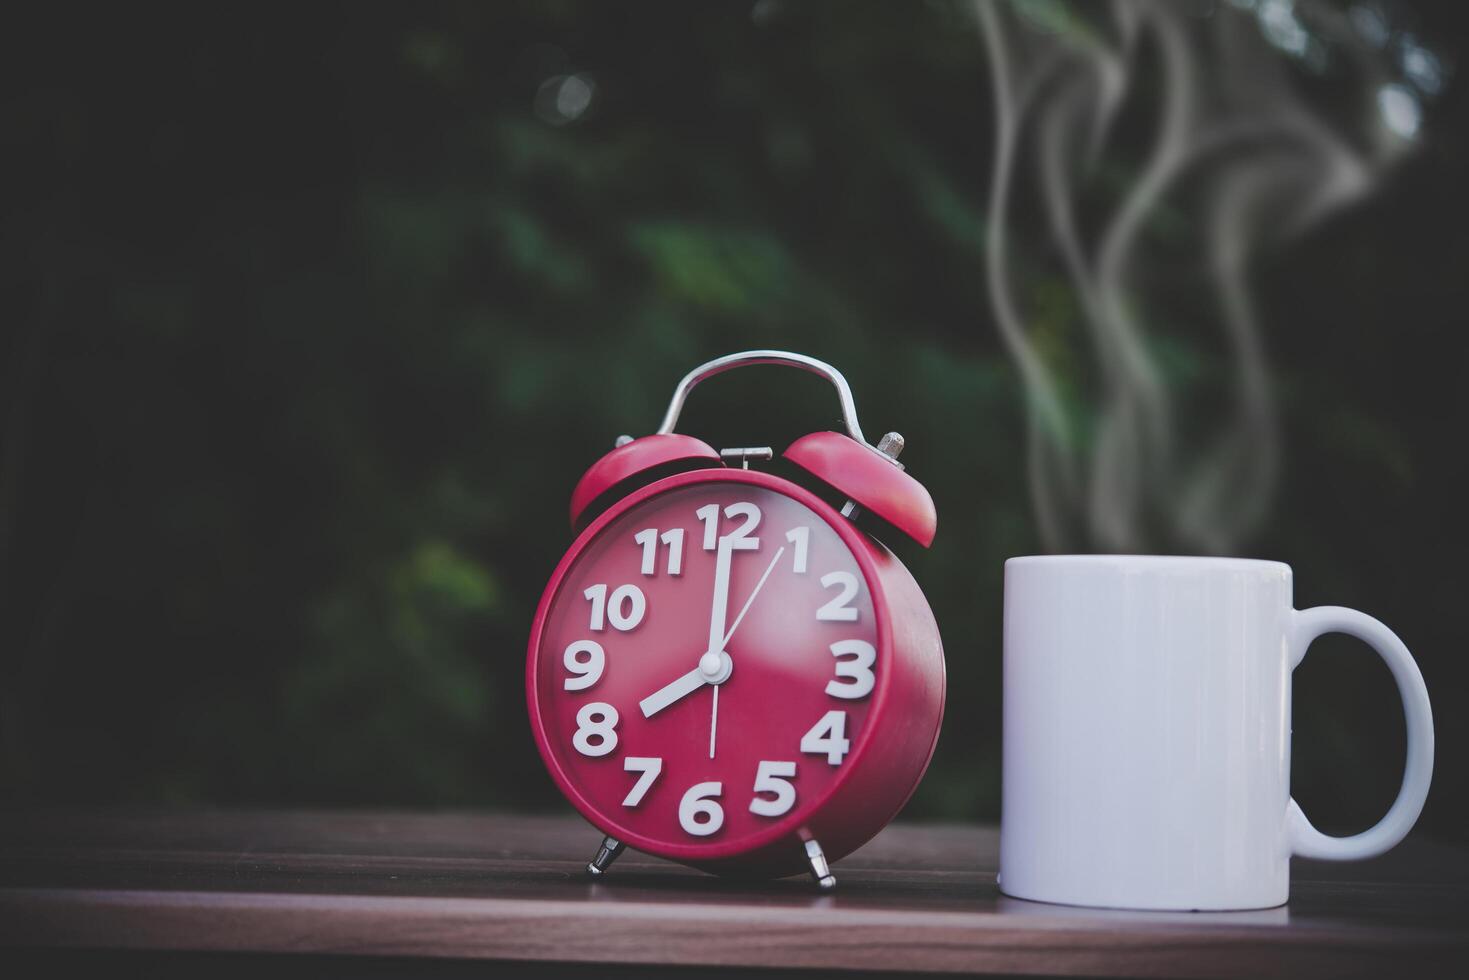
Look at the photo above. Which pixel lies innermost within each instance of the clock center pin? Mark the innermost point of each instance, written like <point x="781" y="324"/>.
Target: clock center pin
<point x="716" y="667"/>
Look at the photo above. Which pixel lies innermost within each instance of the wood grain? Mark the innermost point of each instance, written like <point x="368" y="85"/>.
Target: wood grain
<point x="476" y="886"/>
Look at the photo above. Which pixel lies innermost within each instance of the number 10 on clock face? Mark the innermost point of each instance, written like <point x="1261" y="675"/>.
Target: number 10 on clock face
<point x="705" y="668"/>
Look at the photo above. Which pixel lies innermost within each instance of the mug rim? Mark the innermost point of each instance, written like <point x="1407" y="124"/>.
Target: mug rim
<point x="1155" y="561"/>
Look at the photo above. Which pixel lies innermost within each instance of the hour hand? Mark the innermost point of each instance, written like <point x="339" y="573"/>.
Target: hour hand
<point x="669" y="693"/>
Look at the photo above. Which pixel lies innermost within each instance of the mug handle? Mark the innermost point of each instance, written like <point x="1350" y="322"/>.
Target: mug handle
<point x="1306" y="840"/>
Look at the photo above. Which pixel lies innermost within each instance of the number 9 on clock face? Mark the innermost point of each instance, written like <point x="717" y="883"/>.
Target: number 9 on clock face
<point x="705" y="668"/>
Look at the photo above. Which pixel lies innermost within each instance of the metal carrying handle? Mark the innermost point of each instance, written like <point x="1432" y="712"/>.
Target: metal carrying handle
<point x="787" y="358"/>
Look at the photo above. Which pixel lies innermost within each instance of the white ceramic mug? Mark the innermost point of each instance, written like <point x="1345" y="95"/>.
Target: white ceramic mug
<point x="1147" y="732"/>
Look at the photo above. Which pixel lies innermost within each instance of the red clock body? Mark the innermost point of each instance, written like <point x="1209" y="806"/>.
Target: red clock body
<point x="723" y="667"/>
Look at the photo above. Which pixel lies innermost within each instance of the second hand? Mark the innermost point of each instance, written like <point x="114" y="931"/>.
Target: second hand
<point x="714" y="720"/>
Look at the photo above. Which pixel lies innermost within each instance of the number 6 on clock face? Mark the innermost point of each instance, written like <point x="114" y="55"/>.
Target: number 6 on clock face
<point x="699" y="813"/>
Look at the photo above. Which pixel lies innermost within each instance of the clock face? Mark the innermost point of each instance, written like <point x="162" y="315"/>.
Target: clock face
<point x="706" y="666"/>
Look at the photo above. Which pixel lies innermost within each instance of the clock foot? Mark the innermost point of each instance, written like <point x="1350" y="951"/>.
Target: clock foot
<point x="609" y="851"/>
<point x="820" y="871"/>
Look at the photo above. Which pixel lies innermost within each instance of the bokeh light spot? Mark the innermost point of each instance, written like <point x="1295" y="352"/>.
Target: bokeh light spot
<point x="1422" y="67"/>
<point x="564" y="98"/>
<point x="1282" y="28"/>
<point x="1371" y="24"/>
<point x="1400" y="110"/>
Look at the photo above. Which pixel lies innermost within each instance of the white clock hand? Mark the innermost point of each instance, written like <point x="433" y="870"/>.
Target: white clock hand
<point x="719" y="609"/>
<point x="713" y="720"/>
<point x="669" y="693"/>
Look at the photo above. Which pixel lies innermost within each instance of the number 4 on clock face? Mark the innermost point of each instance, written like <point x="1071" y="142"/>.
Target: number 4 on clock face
<point x="828" y="737"/>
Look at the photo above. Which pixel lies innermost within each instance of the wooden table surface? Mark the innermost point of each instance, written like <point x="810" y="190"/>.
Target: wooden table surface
<point x="477" y="886"/>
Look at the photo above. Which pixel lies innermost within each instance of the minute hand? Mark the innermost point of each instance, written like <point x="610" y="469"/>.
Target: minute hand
<point x="719" y="610"/>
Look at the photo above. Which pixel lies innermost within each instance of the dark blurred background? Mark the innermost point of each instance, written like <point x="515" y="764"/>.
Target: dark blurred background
<point x="312" y="316"/>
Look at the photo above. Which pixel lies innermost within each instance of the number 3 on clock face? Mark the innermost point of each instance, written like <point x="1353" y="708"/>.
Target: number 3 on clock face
<point x="706" y="668"/>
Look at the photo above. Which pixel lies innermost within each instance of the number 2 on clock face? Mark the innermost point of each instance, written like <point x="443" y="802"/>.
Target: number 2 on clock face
<point x="708" y="664"/>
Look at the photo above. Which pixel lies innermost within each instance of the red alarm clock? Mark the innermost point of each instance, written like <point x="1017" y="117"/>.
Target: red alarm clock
<point x="725" y="669"/>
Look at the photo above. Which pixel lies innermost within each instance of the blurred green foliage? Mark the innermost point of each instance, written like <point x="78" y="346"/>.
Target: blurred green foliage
<point x="319" y="318"/>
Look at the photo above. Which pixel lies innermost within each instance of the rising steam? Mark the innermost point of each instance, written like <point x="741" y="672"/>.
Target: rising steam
<point x="1234" y="160"/>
